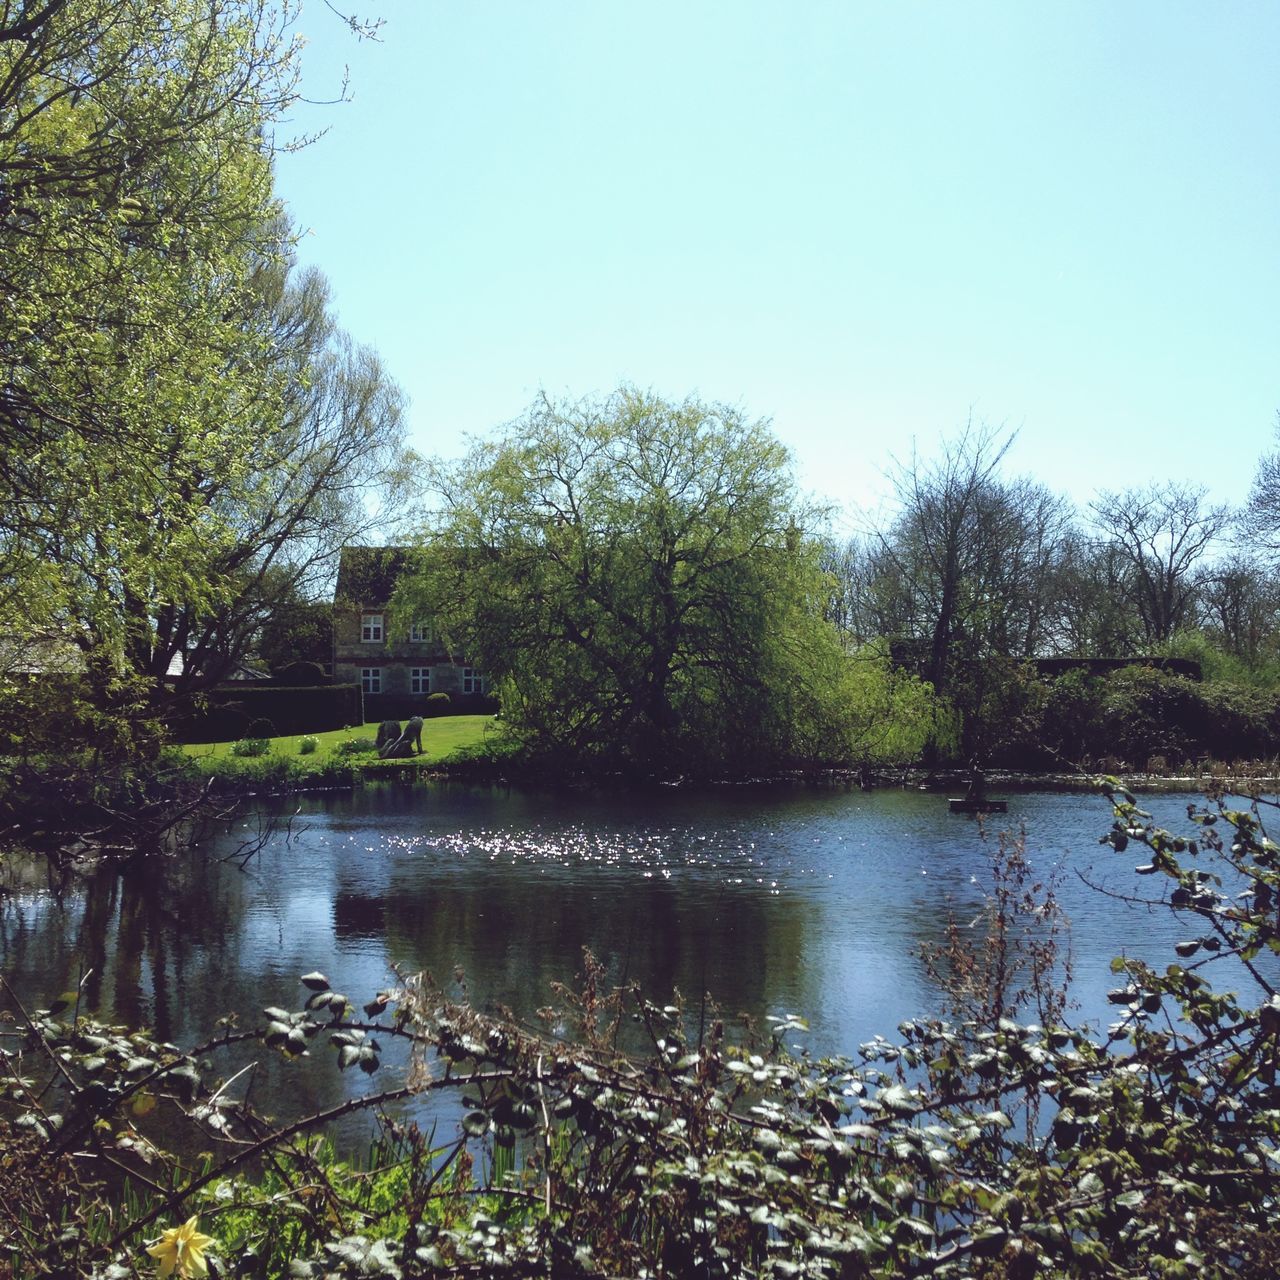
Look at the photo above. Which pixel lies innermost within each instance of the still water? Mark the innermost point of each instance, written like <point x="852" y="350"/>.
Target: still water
<point x="768" y="900"/>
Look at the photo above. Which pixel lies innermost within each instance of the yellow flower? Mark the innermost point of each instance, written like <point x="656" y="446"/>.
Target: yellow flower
<point x="181" y="1249"/>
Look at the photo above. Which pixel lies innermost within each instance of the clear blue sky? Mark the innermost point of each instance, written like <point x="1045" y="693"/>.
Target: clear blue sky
<point x="861" y="221"/>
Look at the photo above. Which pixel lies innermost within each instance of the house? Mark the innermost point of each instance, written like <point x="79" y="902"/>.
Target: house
<point x="38" y="656"/>
<point x="396" y="667"/>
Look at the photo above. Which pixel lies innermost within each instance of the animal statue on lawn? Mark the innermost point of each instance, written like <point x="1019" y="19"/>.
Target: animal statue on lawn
<point x="397" y="745"/>
<point x="388" y="732"/>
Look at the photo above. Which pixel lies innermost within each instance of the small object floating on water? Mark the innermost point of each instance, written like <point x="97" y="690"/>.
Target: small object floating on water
<point x="975" y="799"/>
<point x="962" y="804"/>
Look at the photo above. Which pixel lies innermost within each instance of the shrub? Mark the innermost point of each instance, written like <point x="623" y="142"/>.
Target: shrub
<point x="290" y="710"/>
<point x="356" y="746"/>
<point x="1238" y="720"/>
<point x="1072" y="716"/>
<point x="492" y="754"/>
<point x="303" y="675"/>
<point x="251" y="747"/>
<point x="307" y="746"/>
<point x="275" y="773"/>
<point x="1146" y="712"/>
<point x="1002" y="703"/>
<point x="262" y="769"/>
<point x="222" y="724"/>
<point x="262" y="727"/>
<point x="437" y="704"/>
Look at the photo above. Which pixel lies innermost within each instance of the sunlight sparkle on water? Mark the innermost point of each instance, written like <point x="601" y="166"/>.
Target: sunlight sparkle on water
<point x="647" y="851"/>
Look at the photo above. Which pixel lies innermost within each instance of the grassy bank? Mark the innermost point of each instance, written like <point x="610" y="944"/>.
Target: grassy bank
<point x="344" y="756"/>
<point x="441" y="737"/>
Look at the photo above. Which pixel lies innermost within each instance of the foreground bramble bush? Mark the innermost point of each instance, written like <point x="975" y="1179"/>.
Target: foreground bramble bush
<point x="1155" y="1153"/>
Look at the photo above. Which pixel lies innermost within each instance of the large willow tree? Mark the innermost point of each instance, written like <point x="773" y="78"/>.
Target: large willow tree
<point x="636" y="577"/>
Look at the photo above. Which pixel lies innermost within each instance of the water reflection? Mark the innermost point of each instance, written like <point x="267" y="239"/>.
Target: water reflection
<point x="814" y="902"/>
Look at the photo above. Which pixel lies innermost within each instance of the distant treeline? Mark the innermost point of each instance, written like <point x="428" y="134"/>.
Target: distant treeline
<point x="974" y="573"/>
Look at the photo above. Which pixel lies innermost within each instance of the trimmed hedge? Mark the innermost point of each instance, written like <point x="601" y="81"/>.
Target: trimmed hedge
<point x="400" y="706"/>
<point x="229" y="711"/>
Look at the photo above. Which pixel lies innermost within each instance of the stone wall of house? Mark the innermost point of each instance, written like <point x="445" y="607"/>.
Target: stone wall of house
<point x="396" y="675"/>
<point x="395" y="656"/>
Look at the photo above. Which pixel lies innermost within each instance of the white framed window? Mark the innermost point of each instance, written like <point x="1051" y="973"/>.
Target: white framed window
<point x="371" y="679"/>
<point x="371" y="628"/>
<point x="419" y="679"/>
<point x="472" y="680"/>
<point x="420" y="632"/>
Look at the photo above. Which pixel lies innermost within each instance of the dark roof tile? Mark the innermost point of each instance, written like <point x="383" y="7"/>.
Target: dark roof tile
<point x="368" y="575"/>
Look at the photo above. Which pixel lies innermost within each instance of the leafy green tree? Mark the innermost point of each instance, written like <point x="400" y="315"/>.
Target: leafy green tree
<point x="636" y="577"/>
<point x="188" y="435"/>
<point x="135" y="208"/>
<point x="297" y="630"/>
<point x="886" y="716"/>
<point x="324" y="463"/>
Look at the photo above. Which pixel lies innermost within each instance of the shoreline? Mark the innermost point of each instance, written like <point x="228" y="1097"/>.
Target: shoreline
<point x="347" y="777"/>
<point x="938" y="781"/>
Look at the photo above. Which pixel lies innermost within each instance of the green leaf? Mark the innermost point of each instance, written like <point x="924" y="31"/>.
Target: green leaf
<point x="897" y="1098"/>
<point x="475" y="1124"/>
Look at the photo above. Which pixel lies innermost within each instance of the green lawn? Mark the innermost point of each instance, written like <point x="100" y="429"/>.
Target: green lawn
<point x="441" y="737"/>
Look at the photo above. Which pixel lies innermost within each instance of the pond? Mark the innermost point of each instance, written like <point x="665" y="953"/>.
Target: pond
<point x="768" y="900"/>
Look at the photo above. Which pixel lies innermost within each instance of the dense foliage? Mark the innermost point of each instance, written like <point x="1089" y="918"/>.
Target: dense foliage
<point x="186" y="434"/>
<point x="643" y="587"/>
<point x="974" y="574"/>
<point x="639" y="580"/>
<point x="1138" y="719"/>
<point x="983" y="1147"/>
<point x="138" y="205"/>
<point x="186" y="437"/>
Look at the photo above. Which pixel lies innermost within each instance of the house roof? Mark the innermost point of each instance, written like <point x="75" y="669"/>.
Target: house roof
<point x="39" y="655"/>
<point x="368" y="575"/>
